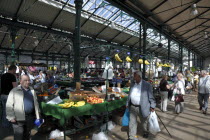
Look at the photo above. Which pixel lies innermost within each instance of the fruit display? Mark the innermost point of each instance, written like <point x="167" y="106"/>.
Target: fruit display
<point x="44" y="94"/>
<point x="117" y="58"/>
<point x="94" y="100"/>
<point x="69" y="104"/>
<point x="128" y="59"/>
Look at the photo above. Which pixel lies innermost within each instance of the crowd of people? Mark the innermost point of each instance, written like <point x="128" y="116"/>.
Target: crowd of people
<point x="184" y="83"/>
<point x="21" y="115"/>
<point x="141" y="101"/>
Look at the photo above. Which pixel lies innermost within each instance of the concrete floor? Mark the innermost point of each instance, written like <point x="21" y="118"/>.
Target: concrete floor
<point x="189" y="125"/>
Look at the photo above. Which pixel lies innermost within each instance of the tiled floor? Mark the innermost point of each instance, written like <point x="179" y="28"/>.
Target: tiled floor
<point x="189" y="125"/>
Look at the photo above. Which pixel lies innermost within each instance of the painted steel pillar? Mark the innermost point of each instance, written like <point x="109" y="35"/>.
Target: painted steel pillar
<point x="188" y="59"/>
<point x="181" y="56"/>
<point x="140" y="42"/>
<point x="13" y="33"/>
<point x="77" y="40"/>
<point x="169" y="50"/>
<point x="100" y="63"/>
<point x="144" y="48"/>
<point x="60" y="65"/>
<point x="47" y="60"/>
<point x="69" y="65"/>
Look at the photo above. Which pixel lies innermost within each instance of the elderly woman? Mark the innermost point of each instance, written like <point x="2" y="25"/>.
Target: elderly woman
<point x="164" y="87"/>
<point x="179" y="92"/>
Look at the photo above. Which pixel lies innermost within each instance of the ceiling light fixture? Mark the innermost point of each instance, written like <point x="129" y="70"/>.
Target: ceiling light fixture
<point x="113" y="26"/>
<point x="194" y="10"/>
<point x="205" y="35"/>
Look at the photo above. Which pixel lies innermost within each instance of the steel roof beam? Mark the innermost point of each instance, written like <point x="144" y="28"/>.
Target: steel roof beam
<point x="4" y="38"/>
<point x="24" y="38"/>
<point x="151" y="23"/>
<point x="126" y="40"/>
<point x="31" y="26"/>
<point x="196" y="39"/>
<point x="195" y="27"/>
<point x="196" y="33"/>
<point x="58" y="37"/>
<point x="40" y="41"/>
<point x="50" y="26"/>
<point x="192" y="19"/>
<point x="108" y="24"/>
<point x="180" y="12"/>
<point x="160" y="4"/>
<point x="199" y="42"/>
<point x="122" y="30"/>
<point x="90" y="16"/>
<point x="18" y="9"/>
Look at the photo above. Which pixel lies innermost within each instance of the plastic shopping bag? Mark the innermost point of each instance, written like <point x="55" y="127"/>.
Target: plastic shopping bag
<point x="153" y="123"/>
<point x="100" y="136"/>
<point x="126" y="118"/>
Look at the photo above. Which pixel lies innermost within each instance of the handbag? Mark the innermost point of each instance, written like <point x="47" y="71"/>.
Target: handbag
<point x="179" y="98"/>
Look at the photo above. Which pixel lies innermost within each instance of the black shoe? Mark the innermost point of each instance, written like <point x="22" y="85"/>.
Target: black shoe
<point x="200" y="108"/>
<point x="146" y="135"/>
<point x="204" y="112"/>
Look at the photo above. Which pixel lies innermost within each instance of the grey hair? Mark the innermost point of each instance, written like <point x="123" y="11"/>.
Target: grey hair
<point x="138" y="73"/>
<point x="203" y="72"/>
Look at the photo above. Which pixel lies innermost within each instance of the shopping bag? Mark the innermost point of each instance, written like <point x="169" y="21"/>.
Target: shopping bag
<point x="153" y="123"/>
<point x="126" y="118"/>
<point x="179" y="98"/>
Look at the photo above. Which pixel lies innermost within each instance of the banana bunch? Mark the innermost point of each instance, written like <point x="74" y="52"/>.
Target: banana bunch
<point x="68" y="104"/>
<point x="117" y="57"/>
<point x="80" y="103"/>
<point x="146" y="62"/>
<point x="128" y="59"/>
<point x="141" y="62"/>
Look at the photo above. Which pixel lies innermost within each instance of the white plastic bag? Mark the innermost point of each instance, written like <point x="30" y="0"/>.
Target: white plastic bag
<point x="99" y="136"/>
<point x="153" y="123"/>
<point x="111" y="126"/>
<point x="55" y="134"/>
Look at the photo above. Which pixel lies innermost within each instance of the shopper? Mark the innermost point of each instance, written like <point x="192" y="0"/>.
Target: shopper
<point x="8" y="82"/>
<point x="179" y="92"/>
<point x="140" y="102"/>
<point x="21" y="109"/>
<point x="164" y="88"/>
<point x="42" y="77"/>
<point x="203" y="91"/>
<point x="196" y="77"/>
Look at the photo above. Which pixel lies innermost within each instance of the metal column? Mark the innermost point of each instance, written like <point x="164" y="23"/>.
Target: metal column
<point x="60" y="65"/>
<point x="69" y="64"/>
<point x="47" y="60"/>
<point x="144" y="48"/>
<point x="13" y="33"/>
<point x="188" y="59"/>
<point x="77" y="40"/>
<point x="169" y="50"/>
<point x="180" y="58"/>
<point x="140" y="43"/>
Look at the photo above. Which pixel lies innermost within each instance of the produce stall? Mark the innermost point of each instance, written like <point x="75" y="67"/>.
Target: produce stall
<point x="80" y="104"/>
<point x="64" y="114"/>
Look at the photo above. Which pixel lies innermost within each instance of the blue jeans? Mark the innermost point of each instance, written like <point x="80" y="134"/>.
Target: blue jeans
<point x="4" y="121"/>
